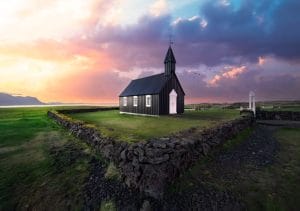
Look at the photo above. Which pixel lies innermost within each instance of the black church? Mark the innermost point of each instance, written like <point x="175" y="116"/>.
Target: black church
<point x="159" y="94"/>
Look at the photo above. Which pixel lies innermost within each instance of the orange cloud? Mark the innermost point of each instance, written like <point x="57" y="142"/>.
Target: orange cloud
<point x="95" y="86"/>
<point x="47" y="48"/>
<point x="31" y="68"/>
<point x="230" y="74"/>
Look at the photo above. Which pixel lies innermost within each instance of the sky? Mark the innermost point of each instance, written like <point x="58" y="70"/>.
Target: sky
<point x="87" y="51"/>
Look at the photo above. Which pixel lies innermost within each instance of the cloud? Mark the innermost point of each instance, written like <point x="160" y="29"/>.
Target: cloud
<point x="33" y="71"/>
<point x="159" y="7"/>
<point x="261" y="60"/>
<point x="233" y="73"/>
<point x="220" y="33"/>
<point x="29" y="20"/>
<point x="139" y="45"/>
<point x="93" y="86"/>
<point x="235" y="85"/>
<point x="253" y="29"/>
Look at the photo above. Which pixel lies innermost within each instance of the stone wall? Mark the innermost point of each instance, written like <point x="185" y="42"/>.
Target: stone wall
<point x="81" y="110"/>
<point x="278" y="115"/>
<point x="108" y="147"/>
<point x="151" y="165"/>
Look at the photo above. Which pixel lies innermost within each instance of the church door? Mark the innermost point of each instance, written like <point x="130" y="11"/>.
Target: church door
<point x="173" y="102"/>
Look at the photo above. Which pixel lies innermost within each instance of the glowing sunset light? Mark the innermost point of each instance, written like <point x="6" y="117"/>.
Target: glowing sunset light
<point x="89" y="50"/>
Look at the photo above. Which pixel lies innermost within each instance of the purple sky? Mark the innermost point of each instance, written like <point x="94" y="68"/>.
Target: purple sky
<point x="223" y="49"/>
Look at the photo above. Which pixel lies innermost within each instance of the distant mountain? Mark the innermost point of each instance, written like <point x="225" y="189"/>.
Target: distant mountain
<point x="7" y="99"/>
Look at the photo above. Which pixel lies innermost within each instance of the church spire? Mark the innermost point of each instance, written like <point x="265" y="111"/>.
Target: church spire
<point x="170" y="62"/>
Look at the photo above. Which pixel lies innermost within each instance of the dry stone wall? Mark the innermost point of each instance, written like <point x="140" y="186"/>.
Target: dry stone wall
<point x="108" y="147"/>
<point x="278" y="115"/>
<point x="151" y="165"/>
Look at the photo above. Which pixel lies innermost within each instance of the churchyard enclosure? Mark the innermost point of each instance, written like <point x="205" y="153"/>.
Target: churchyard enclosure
<point x="150" y="165"/>
<point x="133" y="128"/>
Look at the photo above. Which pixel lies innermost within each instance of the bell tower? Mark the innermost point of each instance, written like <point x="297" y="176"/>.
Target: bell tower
<point x="170" y="62"/>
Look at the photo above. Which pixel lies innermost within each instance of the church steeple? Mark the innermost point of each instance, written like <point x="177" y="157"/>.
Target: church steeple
<point x="170" y="62"/>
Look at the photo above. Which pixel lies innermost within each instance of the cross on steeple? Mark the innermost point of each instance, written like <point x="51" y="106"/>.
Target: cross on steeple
<point x="170" y="40"/>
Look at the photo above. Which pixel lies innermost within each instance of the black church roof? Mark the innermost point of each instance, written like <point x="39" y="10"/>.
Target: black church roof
<point x="148" y="85"/>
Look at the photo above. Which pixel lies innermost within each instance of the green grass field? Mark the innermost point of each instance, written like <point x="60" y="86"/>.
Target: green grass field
<point x="42" y="166"/>
<point x="35" y="171"/>
<point x="295" y="108"/>
<point x="136" y="128"/>
<point x="280" y="106"/>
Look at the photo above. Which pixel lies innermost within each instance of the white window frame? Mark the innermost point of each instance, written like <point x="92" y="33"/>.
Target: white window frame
<point x="148" y="103"/>
<point x="135" y="101"/>
<point x="124" y="101"/>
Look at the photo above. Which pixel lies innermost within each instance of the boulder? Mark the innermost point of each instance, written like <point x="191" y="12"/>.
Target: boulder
<point x="158" y="160"/>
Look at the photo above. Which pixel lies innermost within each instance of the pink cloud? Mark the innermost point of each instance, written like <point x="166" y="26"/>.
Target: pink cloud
<point x="230" y="74"/>
<point x="261" y="60"/>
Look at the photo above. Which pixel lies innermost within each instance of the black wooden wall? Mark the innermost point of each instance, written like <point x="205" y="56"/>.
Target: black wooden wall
<point x="173" y="83"/>
<point x="141" y="107"/>
<point x="159" y="102"/>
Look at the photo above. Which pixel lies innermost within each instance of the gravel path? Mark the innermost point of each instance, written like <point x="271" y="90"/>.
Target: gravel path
<point x="257" y="151"/>
<point x="99" y="189"/>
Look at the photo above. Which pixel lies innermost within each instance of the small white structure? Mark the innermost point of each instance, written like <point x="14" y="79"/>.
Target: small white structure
<point x="173" y="102"/>
<point x="252" y="101"/>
